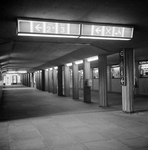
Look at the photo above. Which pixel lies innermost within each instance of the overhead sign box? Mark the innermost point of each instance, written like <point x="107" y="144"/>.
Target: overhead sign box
<point x="41" y="28"/>
<point x="106" y="31"/>
<point x="49" y="28"/>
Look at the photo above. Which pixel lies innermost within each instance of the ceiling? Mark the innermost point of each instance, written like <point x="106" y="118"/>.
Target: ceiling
<point x="34" y="53"/>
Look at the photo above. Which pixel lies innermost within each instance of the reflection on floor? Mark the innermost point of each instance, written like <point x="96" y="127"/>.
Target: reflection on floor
<point x="34" y="120"/>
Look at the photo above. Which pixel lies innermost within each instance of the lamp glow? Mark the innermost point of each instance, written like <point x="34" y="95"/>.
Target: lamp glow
<point x="103" y="38"/>
<point x="56" y="67"/>
<point x="50" y="68"/>
<point x="47" y="35"/>
<point x="92" y="58"/>
<point x="79" y="62"/>
<point x="69" y="64"/>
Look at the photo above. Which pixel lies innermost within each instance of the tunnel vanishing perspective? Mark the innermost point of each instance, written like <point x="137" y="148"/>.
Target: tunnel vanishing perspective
<point x="73" y="75"/>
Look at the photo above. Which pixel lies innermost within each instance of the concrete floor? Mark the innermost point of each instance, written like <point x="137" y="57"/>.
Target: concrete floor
<point x="34" y="120"/>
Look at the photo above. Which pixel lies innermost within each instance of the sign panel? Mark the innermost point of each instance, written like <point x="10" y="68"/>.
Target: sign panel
<point x="41" y="27"/>
<point x="122" y="68"/>
<point x="107" y="31"/>
<point x="77" y="30"/>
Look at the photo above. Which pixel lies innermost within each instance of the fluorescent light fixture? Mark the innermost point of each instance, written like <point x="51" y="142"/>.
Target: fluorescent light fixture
<point x="56" y="67"/>
<point x="50" y="68"/>
<point x="92" y="58"/>
<point x="69" y="64"/>
<point x="46" y="69"/>
<point x="103" y="38"/>
<point x="78" y="62"/>
<point x="11" y="71"/>
<point x="47" y="35"/>
<point x="23" y="71"/>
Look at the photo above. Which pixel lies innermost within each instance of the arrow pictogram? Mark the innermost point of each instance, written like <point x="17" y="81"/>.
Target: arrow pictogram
<point x="38" y="27"/>
<point x="98" y="30"/>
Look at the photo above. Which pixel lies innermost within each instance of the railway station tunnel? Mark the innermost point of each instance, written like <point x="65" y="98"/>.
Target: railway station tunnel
<point x="73" y="75"/>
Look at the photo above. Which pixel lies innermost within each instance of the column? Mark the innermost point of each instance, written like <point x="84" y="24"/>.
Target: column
<point x="38" y="80"/>
<point x="75" y="81"/>
<point x="127" y="89"/>
<point x="40" y="77"/>
<point x="86" y="78"/>
<point x="43" y="80"/>
<point x="109" y="78"/>
<point x="103" y="81"/>
<point x="60" y="83"/>
<point x="54" y="81"/>
<point x="28" y="79"/>
<point x="46" y="80"/>
<point x="86" y="69"/>
<point x="66" y="81"/>
<point x="50" y="81"/>
<point x="136" y="77"/>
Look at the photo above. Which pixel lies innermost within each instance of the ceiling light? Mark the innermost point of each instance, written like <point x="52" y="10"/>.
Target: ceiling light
<point x="92" y="58"/>
<point x="56" y="67"/>
<point x="78" y="62"/>
<point x="47" y="35"/>
<point x="69" y="64"/>
<point x="103" y="38"/>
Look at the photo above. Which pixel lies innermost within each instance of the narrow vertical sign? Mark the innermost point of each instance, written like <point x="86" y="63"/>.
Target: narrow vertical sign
<point x="122" y="68"/>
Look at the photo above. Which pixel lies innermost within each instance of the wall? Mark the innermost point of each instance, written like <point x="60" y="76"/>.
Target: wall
<point x="143" y="86"/>
<point x="115" y="85"/>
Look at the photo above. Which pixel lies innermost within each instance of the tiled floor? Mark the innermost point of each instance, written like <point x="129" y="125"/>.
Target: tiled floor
<point x="34" y="120"/>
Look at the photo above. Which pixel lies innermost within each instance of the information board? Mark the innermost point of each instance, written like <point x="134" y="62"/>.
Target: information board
<point x="107" y="31"/>
<point x="41" y="27"/>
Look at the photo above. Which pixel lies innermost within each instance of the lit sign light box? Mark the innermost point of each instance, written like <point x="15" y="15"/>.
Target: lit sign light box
<point x="72" y="30"/>
<point x="48" y="29"/>
<point x="106" y="31"/>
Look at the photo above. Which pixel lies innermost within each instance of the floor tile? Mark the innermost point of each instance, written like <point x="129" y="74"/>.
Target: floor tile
<point x="4" y="146"/>
<point x="107" y="145"/>
<point x="138" y="142"/>
<point x="63" y="140"/>
<point x="77" y="146"/>
<point x="91" y="137"/>
<point x="28" y="144"/>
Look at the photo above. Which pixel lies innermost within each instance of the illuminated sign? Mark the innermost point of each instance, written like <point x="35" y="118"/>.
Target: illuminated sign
<point x="122" y="68"/>
<point x="49" y="28"/>
<point x="53" y="29"/>
<point x="105" y="31"/>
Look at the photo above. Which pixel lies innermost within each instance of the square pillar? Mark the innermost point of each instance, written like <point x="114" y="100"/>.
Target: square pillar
<point x="54" y="73"/>
<point x="50" y="81"/>
<point x="46" y="80"/>
<point x="66" y="81"/>
<point x="43" y="80"/>
<point x="127" y="89"/>
<point x="86" y="77"/>
<point x="40" y="80"/>
<point x="109" y="78"/>
<point x="75" y="81"/>
<point x="103" y="102"/>
<point x="60" y="81"/>
<point x="28" y="79"/>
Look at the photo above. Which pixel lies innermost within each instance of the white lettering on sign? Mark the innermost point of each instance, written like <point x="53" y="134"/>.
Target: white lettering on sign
<point x="50" y="27"/>
<point x="98" y="30"/>
<point x="108" y="31"/>
<point x="37" y="27"/>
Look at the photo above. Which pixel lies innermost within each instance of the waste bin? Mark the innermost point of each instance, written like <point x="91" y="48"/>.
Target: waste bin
<point x="87" y="91"/>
